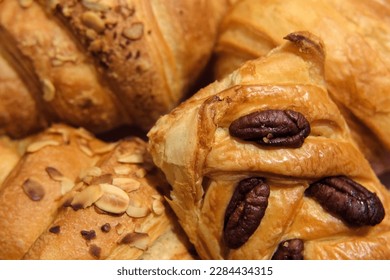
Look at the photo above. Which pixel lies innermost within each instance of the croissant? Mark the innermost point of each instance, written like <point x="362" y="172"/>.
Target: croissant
<point x="356" y="34"/>
<point x="73" y="196"/>
<point x="100" y="64"/>
<point x="263" y="165"/>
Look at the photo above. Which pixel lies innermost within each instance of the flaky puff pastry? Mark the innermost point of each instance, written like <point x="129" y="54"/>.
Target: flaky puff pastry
<point x="72" y="196"/>
<point x="100" y="64"/>
<point x="284" y="195"/>
<point x="356" y="34"/>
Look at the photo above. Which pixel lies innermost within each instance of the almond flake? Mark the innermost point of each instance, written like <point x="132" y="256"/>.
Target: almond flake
<point x="48" y="90"/>
<point x="95" y="5"/>
<point x="158" y="207"/>
<point x="131" y="158"/>
<point x="134" y="32"/>
<point x="87" y="197"/>
<point x="126" y="184"/>
<point x="36" y="146"/>
<point x="62" y="131"/>
<point x="84" y="147"/>
<point x="92" y="20"/>
<point x="93" y="171"/>
<point x="83" y="133"/>
<point x="66" y="185"/>
<point x="140" y="173"/>
<point x="102" y="179"/>
<point x="104" y="149"/>
<point x="137" y="212"/>
<point x="122" y="170"/>
<point x="120" y="228"/>
<point x="135" y="239"/>
<point x="114" y="199"/>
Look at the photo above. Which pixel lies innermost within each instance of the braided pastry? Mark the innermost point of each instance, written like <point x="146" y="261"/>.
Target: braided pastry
<point x="100" y="64"/>
<point x="72" y="196"/>
<point x="263" y="166"/>
<point x="356" y="34"/>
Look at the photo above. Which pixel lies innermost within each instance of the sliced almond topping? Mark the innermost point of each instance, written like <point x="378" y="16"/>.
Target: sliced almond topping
<point x="122" y="170"/>
<point x="48" y="90"/>
<point x="36" y="146"/>
<point x="135" y="239"/>
<point x="92" y="20"/>
<point x="131" y="158"/>
<point x="126" y="184"/>
<point x="158" y="207"/>
<point x="62" y="131"/>
<point x="134" y="32"/>
<point x="95" y="5"/>
<point x="93" y="171"/>
<point x="140" y="173"/>
<point x="83" y="133"/>
<point x="114" y="199"/>
<point x="66" y="185"/>
<point x="87" y="197"/>
<point x="25" y="3"/>
<point x="104" y="149"/>
<point x="137" y="212"/>
<point x="102" y="179"/>
<point x="54" y="174"/>
<point x="33" y="189"/>
<point x="84" y="147"/>
<point x="120" y="228"/>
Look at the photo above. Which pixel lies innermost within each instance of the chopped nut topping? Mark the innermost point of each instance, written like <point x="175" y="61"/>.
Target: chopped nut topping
<point x="122" y="170"/>
<point x="158" y="207"/>
<point x="48" y="90"/>
<point x="84" y="147"/>
<point x="137" y="212"/>
<point x="87" y="197"/>
<point x="92" y="20"/>
<point x="36" y="146"/>
<point x="33" y="189"/>
<point x="93" y="171"/>
<point x="126" y="184"/>
<point x="88" y="234"/>
<point x="55" y="229"/>
<point x="131" y="158"/>
<point x="25" y="3"/>
<point x="66" y="185"/>
<point x="140" y="173"/>
<point x="119" y="228"/>
<point x="105" y="149"/>
<point x="83" y="133"/>
<point x="114" y="199"/>
<point x="134" y="32"/>
<point x="95" y="5"/>
<point x="106" y="227"/>
<point x="62" y="131"/>
<point x="54" y="174"/>
<point x="135" y="239"/>
<point x="102" y="179"/>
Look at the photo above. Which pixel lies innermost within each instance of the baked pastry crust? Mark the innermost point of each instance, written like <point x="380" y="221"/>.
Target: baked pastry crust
<point x="44" y="215"/>
<point x="101" y="64"/>
<point x="204" y="163"/>
<point x="356" y="35"/>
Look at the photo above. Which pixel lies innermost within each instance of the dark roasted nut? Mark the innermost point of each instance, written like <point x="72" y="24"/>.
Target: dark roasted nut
<point x="348" y="200"/>
<point x="245" y="211"/>
<point x="277" y="128"/>
<point x="291" y="249"/>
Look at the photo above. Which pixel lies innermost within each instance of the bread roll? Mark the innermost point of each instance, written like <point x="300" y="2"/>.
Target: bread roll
<point x="263" y="165"/>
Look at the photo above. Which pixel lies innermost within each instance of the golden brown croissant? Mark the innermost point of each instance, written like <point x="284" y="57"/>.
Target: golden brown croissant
<point x="263" y="166"/>
<point x="100" y="63"/>
<point x="72" y="196"/>
<point x="356" y="34"/>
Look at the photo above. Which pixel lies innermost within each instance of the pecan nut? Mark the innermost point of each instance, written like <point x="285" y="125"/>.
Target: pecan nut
<point x="278" y="128"/>
<point x="291" y="249"/>
<point x="245" y="211"/>
<point x="347" y="199"/>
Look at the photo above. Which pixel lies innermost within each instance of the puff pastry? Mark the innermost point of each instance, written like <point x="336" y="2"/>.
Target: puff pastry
<point x="72" y="196"/>
<point x="356" y="34"/>
<point x="100" y="64"/>
<point x="263" y="165"/>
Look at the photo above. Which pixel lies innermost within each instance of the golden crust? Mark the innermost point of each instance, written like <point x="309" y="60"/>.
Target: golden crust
<point x="130" y="235"/>
<point x="102" y="64"/>
<point x="204" y="163"/>
<point x="355" y="34"/>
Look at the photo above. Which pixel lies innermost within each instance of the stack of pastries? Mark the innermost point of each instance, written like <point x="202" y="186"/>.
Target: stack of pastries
<point x="229" y="129"/>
